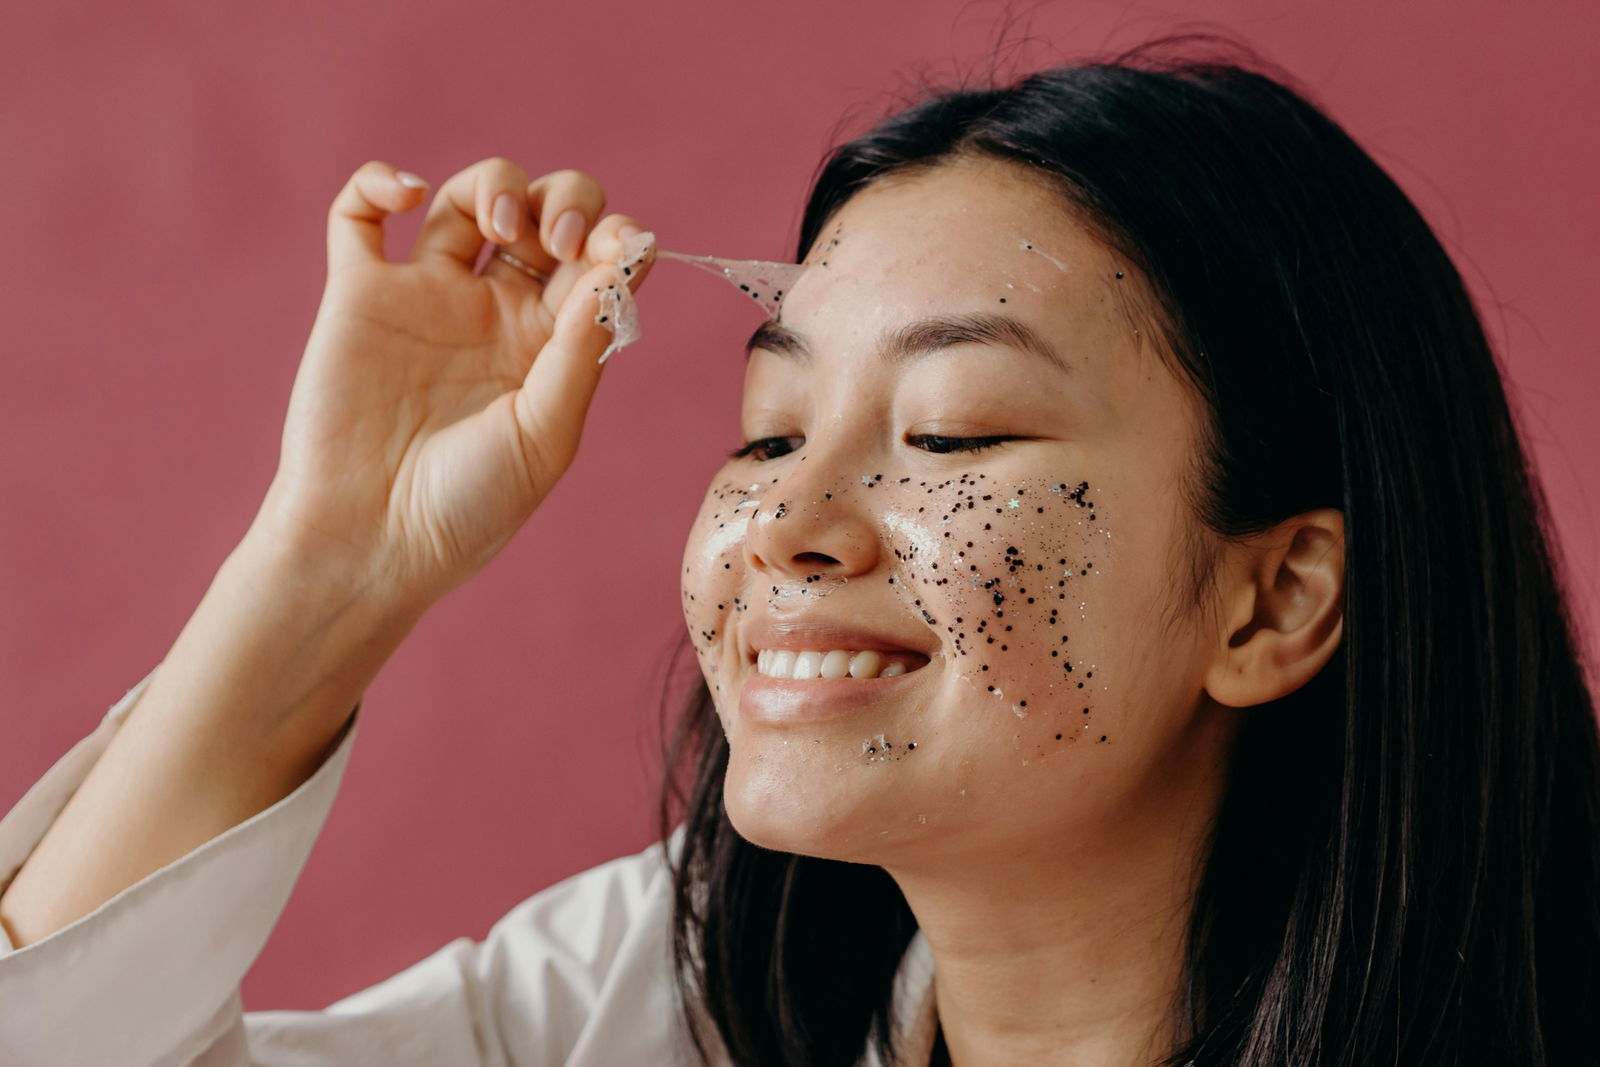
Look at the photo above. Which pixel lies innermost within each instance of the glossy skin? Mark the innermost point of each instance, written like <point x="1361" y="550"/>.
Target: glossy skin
<point x="943" y="245"/>
<point x="1039" y="788"/>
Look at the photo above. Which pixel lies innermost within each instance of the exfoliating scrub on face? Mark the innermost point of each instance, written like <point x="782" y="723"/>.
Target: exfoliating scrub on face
<point x="913" y="618"/>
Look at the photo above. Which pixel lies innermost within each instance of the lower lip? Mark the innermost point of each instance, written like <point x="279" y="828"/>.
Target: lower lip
<point x="784" y="700"/>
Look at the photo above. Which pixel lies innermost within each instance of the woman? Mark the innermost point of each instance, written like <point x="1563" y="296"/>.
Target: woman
<point x="1130" y="604"/>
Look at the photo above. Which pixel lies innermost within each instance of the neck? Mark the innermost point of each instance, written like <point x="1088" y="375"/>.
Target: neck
<point x="1066" y="953"/>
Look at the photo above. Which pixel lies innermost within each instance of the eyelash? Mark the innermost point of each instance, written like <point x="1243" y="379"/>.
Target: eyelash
<point x="959" y="444"/>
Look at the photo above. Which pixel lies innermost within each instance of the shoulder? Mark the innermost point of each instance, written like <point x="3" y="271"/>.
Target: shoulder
<point x="587" y="926"/>
<point x="623" y="885"/>
<point x="595" y="952"/>
<point x="578" y="974"/>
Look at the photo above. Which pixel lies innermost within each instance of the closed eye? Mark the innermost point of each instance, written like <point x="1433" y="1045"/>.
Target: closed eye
<point x="760" y="445"/>
<point x="959" y="443"/>
<point x="766" y="448"/>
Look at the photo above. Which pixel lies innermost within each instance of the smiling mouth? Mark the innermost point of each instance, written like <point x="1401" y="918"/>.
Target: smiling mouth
<point x="805" y="665"/>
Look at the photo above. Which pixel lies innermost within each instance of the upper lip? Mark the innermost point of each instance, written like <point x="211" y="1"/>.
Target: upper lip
<point x="818" y="632"/>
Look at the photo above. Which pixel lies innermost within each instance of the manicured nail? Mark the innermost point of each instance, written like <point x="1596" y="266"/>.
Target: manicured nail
<point x="627" y="231"/>
<point x="506" y="216"/>
<point x="567" y="234"/>
<point x="405" y="177"/>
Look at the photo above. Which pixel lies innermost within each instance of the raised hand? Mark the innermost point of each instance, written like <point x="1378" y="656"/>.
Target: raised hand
<point x="434" y="409"/>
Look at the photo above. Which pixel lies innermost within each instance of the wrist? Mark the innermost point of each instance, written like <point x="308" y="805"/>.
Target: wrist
<point x="319" y="577"/>
<point x="313" y="599"/>
<point x="287" y="641"/>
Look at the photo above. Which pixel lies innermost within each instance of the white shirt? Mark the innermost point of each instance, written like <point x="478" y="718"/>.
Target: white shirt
<point x="578" y="975"/>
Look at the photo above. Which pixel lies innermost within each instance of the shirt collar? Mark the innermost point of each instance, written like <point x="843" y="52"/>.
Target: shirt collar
<point x="916" y="1014"/>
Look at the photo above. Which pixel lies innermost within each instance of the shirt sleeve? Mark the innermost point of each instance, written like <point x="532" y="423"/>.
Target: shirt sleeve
<point x="578" y="974"/>
<point x="151" y="976"/>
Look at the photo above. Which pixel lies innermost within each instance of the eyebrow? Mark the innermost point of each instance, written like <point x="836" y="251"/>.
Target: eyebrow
<point x="921" y="338"/>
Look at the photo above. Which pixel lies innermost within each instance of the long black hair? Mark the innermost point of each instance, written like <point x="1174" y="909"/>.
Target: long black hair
<point x="1404" y="867"/>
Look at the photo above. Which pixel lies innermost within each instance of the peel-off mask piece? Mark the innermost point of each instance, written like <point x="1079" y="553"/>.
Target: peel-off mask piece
<point x="763" y="281"/>
<point x="618" y="311"/>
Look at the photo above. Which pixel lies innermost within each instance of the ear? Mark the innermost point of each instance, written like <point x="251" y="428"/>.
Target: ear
<point x="1284" y="610"/>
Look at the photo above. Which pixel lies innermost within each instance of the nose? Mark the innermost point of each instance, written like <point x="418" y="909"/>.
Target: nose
<point x="811" y="524"/>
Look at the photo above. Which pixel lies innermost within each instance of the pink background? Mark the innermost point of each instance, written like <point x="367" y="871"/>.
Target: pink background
<point x="168" y="168"/>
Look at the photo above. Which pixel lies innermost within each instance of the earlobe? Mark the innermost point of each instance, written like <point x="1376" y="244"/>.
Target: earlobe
<point x="1285" y="610"/>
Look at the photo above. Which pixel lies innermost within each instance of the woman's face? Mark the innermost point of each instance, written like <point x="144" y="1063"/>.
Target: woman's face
<point x="967" y="460"/>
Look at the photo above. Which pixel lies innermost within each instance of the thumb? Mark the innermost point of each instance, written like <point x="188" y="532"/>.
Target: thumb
<point x="555" y="394"/>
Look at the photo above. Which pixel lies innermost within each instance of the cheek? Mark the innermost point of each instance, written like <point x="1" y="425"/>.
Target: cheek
<point x="1008" y="573"/>
<point x="711" y="574"/>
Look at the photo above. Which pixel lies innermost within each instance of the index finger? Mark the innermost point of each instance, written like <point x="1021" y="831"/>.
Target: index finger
<point x="355" y="219"/>
<point x="462" y="216"/>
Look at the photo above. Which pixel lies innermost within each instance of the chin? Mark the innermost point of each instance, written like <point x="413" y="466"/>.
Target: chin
<point x="809" y="803"/>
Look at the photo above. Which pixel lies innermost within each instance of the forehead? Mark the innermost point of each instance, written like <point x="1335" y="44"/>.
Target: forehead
<point x="973" y="211"/>
<point x="975" y="235"/>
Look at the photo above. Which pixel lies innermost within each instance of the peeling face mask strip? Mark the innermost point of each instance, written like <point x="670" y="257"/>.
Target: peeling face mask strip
<point x="763" y="281"/>
<point x="618" y="312"/>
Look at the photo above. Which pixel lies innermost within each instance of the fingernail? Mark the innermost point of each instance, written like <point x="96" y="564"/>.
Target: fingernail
<point x="567" y="234"/>
<point x="627" y="231"/>
<point x="405" y="177"/>
<point x="506" y="216"/>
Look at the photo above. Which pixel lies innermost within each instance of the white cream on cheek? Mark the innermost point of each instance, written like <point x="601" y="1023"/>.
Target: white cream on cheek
<point x="715" y="571"/>
<point x="729" y="534"/>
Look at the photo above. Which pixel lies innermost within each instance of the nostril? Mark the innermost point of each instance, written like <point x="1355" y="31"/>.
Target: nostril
<point x="815" y="558"/>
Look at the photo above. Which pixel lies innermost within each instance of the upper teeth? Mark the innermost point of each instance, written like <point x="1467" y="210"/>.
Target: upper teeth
<point x="786" y="663"/>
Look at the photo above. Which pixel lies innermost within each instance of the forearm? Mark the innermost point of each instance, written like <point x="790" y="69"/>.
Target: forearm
<point x="240" y="712"/>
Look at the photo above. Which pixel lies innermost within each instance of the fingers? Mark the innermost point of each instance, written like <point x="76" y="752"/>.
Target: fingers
<point x="542" y="223"/>
<point x="603" y="244"/>
<point x="563" y="206"/>
<point x="485" y="202"/>
<point x="567" y="204"/>
<point x="555" y="394"/>
<point x="355" y="221"/>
